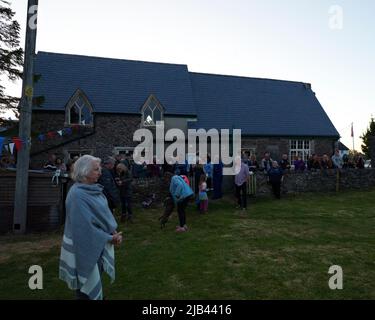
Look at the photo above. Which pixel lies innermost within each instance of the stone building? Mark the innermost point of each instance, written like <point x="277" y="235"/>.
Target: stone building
<point x="94" y="105"/>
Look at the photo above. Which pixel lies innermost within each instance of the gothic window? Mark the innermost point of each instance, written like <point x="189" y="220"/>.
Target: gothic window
<point x="152" y="111"/>
<point x="79" y="110"/>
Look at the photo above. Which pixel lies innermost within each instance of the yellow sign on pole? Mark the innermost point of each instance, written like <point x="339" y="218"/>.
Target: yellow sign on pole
<point x="29" y="92"/>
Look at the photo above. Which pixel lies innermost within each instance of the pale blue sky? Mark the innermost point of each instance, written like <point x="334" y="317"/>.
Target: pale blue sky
<point x="278" y="39"/>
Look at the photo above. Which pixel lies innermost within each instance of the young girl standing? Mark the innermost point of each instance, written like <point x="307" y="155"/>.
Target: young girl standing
<point x="203" y="198"/>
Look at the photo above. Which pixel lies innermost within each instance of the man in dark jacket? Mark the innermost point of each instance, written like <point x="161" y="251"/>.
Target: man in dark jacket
<point x="266" y="162"/>
<point x="275" y="175"/>
<point x="124" y="182"/>
<point x="107" y="181"/>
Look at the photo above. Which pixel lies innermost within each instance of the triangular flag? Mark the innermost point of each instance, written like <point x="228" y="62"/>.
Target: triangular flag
<point x="60" y="133"/>
<point x="11" y="147"/>
<point x="1" y="145"/>
<point x="18" y="143"/>
<point x="6" y="146"/>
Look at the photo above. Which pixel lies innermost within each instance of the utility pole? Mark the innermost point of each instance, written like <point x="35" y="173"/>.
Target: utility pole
<point x="23" y="157"/>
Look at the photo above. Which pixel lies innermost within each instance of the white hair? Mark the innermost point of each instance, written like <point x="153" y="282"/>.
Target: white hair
<point x="83" y="166"/>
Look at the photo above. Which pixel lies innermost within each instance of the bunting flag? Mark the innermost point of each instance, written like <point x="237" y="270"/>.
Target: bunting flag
<point x="11" y="147"/>
<point x="6" y="147"/>
<point x="51" y="134"/>
<point x="18" y="142"/>
<point x="68" y="130"/>
<point x="1" y="145"/>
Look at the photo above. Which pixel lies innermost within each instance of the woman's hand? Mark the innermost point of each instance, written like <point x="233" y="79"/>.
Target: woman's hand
<point x="117" y="238"/>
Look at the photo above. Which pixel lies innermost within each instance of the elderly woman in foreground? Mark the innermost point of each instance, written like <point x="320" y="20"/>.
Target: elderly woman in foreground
<point x="90" y="233"/>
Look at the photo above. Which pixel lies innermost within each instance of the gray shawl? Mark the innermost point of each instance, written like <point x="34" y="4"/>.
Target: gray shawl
<point x="86" y="248"/>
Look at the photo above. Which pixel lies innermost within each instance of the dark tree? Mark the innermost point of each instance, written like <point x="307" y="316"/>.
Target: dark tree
<point x="366" y="138"/>
<point x="11" y="54"/>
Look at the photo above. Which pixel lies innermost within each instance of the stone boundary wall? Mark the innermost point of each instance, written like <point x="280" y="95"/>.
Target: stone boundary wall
<point x="294" y="182"/>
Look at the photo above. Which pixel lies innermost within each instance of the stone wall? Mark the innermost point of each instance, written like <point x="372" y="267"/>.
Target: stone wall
<point x="278" y="146"/>
<point x="320" y="181"/>
<point x="110" y="131"/>
<point x="116" y="130"/>
<point x="309" y="181"/>
<point x="324" y="146"/>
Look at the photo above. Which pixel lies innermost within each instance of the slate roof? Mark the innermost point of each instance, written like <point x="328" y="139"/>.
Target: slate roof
<point x="112" y="85"/>
<point x="260" y="107"/>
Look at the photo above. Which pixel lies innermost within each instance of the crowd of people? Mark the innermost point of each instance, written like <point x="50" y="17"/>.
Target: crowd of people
<point x="101" y="186"/>
<point x="205" y="179"/>
<point x="118" y="173"/>
<point x="314" y="162"/>
<point x="90" y="231"/>
<point x="277" y="169"/>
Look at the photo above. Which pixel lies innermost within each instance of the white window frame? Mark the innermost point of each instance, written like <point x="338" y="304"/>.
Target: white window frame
<point x="155" y="101"/>
<point x="298" y="146"/>
<point x="73" y="102"/>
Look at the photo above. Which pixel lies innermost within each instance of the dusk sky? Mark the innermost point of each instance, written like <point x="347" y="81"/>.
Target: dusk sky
<point x="300" y="40"/>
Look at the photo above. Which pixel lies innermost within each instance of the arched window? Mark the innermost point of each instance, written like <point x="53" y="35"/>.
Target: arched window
<point x="152" y="111"/>
<point x="79" y="110"/>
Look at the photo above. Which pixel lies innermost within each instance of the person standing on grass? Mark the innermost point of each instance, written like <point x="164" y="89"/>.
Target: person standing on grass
<point x="198" y="171"/>
<point x="217" y="177"/>
<point x="275" y="175"/>
<point x="124" y="182"/>
<point x="181" y="194"/>
<point x="207" y="169"/>
<point x="109" y="185"/>
<point x="203" y="198"/>
<point x="240" y="181"/>
<point x="90" y="233"/>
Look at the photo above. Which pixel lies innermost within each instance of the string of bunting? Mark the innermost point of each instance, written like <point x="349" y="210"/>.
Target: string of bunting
<point x="15" y="142"/>
<point x="59" y="133"/>
<point x="18" y="143"/>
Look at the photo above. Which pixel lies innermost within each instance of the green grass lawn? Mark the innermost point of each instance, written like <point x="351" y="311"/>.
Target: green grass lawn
<point x="276" y="250"/>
